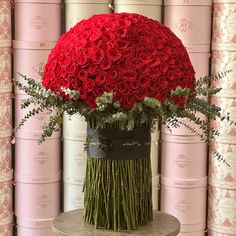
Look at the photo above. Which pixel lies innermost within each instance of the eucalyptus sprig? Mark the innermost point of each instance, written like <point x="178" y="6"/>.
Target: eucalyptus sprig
<point x="110" y="112"/>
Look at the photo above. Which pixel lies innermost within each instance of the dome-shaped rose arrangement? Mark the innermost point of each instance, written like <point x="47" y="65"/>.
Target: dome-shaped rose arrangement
<point x="129" y="55"/>
<point x="123" y="73"/>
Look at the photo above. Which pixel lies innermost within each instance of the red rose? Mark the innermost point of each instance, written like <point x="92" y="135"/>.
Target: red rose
<point x="98" y="56"/>
<point x="113" y="54"/>
<point x="88" y="85"/>
<point x="129" y="75"/>
<point x="82" y="75"/>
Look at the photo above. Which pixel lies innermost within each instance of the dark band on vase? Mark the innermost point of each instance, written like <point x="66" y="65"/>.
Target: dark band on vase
<point x="118" y="144"/>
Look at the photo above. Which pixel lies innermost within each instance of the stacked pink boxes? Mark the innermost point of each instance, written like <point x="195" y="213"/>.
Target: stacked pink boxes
<point x="6" y="173"/>
<point x="74" y="127"/>
<point x="37" y="167"/>
<point x="76" y="10"/>
<point x="222" y="177"/>
<point x="184" y="155"/>
<point x="149" y="8"/>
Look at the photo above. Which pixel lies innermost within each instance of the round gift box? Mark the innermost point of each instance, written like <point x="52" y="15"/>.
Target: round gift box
<point x="224" y="25"/>
<point x="73" y="196"/>
<point x="224" y="61"/>
<point x="39" y="160"/>
<point x="155" y="136"/>
<point x="183" y="157"/>
<point x="29" y="59"/>
<point x="74" y="158"/>
<point x="37" y="20"/>
<point x="219" y="171"/>
<point x="228" y="105"/>
<point x="5" y="23"/>
<point x="5" y="155"/>
<point x="186" y="200"/>
<point x="183" y="19"/>
<point x="76" y="10"/>
<point x="149" y="8"/>
<point x="155" y="192"/>
<point x="35" y="200"/>
<point x="222" y="208"/>
<point x="74" y="127"/>
<point x="6" y="191"/>
<point x="5" y="70"/>
<point x="40" y="227"/>
<point x="32" y="128"/>
<point x="196" y="233"/>
<point x="5" y="115"/>
<point x="199" y="56"/>
<point x="6" y="226"/>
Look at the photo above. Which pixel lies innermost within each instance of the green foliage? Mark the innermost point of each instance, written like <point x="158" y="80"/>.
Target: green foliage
<point x="109" y="112"/>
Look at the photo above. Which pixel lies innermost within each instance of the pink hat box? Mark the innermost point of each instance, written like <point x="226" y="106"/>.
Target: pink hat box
<point x="149" y="8"/>
<point x="183" y="19"/>
<point x="5" y="23"/>
<point x="223" y="61"/>
<point x="35" y="200"/>
<point x="6" y="226"/>
<point x="76" y="10"/>
<point x="228" y="105"/>
<point x="186" y="200"/>
<point x="219" y="171"/>
<point x="224" y="24"/>
<point x="155" y="136"/>
<point x="196" y="233"/>
<point x="6" y="189"/>
<point x="5" y="155"/>
<point x="74" y="127"/>
<point x="32" y="128"/>
<point x="37" y="20"/>
<point x="183" y="157"/>
<point x="30" y="59"/>
<point x="73" y="196"/>
<point x="74" y="159"/>
<point x="39" y="160"/>
<point x="199" y="56"/>
<point x="5" y="115"/>
<point x="222" y="209"/>
<point x="5" y="69"/>
<point x="27" y="227"/>
<point x="215" y="233"/>
<point x="155" y="192"/>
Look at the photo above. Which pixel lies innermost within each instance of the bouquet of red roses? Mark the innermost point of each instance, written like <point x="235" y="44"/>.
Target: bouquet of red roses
<point x="123" y="73"/>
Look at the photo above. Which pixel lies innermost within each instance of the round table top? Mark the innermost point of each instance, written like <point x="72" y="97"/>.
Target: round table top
<point x="72" y="224"/>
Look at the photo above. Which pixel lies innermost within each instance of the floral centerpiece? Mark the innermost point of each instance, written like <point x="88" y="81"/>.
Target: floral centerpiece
<point x="123" y="73"/>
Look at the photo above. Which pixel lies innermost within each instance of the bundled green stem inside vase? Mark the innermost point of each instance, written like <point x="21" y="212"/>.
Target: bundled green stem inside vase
<point x="118" y="193"/>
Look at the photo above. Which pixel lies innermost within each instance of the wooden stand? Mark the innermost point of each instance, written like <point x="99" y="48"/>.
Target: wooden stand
<point x="72" y="224"/>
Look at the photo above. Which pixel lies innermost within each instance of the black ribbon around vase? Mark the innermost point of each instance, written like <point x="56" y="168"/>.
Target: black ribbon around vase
<point x="118" y="144"/>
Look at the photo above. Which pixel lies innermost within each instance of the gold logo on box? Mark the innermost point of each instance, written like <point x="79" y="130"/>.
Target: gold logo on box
<point x="183" y="25"/>
<point x="39" y="22"/>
